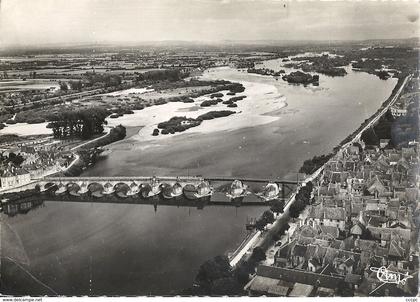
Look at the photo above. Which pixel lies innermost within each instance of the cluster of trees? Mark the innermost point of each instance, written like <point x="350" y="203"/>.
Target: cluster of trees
<point x="324" y="64"/>
<point x="208" y="103"/>
<point x="216" y="277"/>
<point x="81" y="123"/>
<point x="382" y="74"/>
<point x="299" y="77"/>
<point x="381" y="130"/>
<point x="277" y="206"/>
<point x="237" y="98"/>
<point x="117" y="112"/>
<point x="171" y="75"/>
<point x="277" y="236"/>
<point x="102" y="79"/>
<point x="182" y="123"/>
<point x="176" y="124"/>
<point x="266" y="218"/>
<point x="76" y="85"/>
<point x="92" y="79"/>
<point x="235" y="88"/>
<point x="404" y="60"/>
<point x="216" y="95"/>
<point x="371" y="66"/>
<point x="302" y="199"/>
<point x="311" y="165"/>
<point x="214" y="114"/>
<point x="63" y="86"/>
<point x="265" y="71"/>
<point x="117" y="133"/>
<point x="31" y="117"/>
<point x="15" y="159"/>
<point x="232" y="101"/>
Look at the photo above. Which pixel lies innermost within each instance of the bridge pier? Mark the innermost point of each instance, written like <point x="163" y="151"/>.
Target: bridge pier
<point x="170" y="187"/>
<point x="83" y="188"/>
<point x="134" y="189"/>
<point x="108" y="189"/>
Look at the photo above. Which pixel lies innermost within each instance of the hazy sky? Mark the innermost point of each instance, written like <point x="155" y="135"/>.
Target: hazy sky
<point x="80" y="21"/>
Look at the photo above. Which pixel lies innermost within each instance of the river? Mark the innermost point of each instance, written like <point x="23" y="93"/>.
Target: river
<point x="117" y="249"/>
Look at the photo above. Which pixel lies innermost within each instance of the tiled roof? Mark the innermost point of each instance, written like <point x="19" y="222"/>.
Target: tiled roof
<point x="320" y="253"/>
<point x="385" y="233"/>
<point x="395" y="250"/>
<point x="7" y="173"/>
<point x="330" y="255"/>
<point x="353" y="278"/>
<point x="310" y="251"/>
<point x="357" y="229"/>
<point x="299" y="250"/>
<point x="349" y="243"/>
<point x="268" y="285"/>
<point x="365" y="245"/>
<point x="356" y="208"/>
<point x="315" y="212"/>
<point x="307" y="231"/>
<point x="284" y="251"/>
<point x="411" y="194"/>
<point x="301" y="290"/>
<point x="329" y="230"/>
<point x="334" y="213"/>
<point x="298" y="276"/>
<point x="314" y="262"/>
<point x="321" y="212"/>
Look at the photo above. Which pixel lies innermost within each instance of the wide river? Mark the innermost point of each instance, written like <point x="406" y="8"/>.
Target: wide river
<point x="119" y="249"/>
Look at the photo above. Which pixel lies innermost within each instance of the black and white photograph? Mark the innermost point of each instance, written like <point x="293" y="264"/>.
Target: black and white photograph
<point x="209" y="148"/>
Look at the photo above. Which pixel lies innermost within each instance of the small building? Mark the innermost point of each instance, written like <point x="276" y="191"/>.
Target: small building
<point x="14" y="179"/>
<point x="329" y="216"/>
<point x="260" y="285"/>
<point x="383" y="142"/>
<point x="397" y="112"/>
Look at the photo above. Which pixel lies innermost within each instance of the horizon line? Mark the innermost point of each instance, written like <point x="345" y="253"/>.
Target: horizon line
<point x="203" y="42"/>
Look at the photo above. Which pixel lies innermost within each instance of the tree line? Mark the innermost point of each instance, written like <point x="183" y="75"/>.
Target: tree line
<point x="171" y="75"/>
<point x="78" y="123"/>
<point x="302" y="199"/>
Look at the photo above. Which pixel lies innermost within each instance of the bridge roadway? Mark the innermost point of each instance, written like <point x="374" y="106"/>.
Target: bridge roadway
<point x="134" y="184"/>
<point x="193" y="179"/>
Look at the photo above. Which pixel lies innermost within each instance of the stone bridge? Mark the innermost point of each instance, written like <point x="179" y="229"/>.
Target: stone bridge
<point x="190" y="186"/>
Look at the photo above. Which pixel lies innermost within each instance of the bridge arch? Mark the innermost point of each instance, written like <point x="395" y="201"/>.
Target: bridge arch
<point x="121" y="189"/>
<point x="73" y="188"/>
<point x="149" y="190"/>
<point x="189" y="191"/>
<point x="95" y="187"/>
<point x="61" y="188"/>
<point x="50" y="187"/>
<point x="46" y="186"/>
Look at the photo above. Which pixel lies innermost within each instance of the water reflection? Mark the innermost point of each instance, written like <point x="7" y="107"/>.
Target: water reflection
<point x="14" y="208"/>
